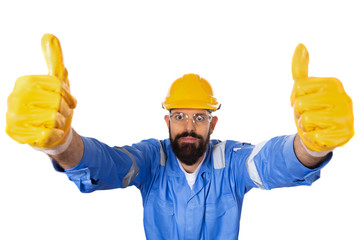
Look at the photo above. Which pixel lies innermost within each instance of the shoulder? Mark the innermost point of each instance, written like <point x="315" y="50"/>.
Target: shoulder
<point x="224" y="152"/>
<point x="229" y="145"/>
<point x="147" y="144"/>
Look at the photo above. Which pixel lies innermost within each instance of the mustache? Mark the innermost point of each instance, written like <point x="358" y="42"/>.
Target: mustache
<point x="188" y="134"/>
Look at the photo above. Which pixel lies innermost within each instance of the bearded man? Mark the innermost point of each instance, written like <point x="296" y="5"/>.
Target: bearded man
<point x="192" y="186"/>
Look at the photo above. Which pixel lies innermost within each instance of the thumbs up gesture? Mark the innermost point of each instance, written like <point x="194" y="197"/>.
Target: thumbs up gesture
<point x="322" y="109"/>
<point x="40" y="108"/>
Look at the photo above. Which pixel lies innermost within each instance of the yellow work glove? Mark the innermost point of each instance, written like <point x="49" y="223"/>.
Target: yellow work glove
<point x="40" y="108"/>
<point x="323" y="111"/>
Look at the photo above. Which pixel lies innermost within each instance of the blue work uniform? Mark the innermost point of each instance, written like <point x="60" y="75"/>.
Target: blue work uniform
<point x="212" y="208"/>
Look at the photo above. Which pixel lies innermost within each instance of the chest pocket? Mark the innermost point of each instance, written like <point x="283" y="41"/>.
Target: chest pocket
<point x="159" y="218"/>
<point x="221" y="217"/>
<point x="213" y="211"/>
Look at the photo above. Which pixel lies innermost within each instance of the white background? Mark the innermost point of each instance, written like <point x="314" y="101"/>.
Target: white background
<point x="122" y="57"/>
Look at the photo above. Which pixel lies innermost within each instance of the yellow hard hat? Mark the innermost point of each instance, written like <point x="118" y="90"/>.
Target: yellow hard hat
<point x="191" y="91"/>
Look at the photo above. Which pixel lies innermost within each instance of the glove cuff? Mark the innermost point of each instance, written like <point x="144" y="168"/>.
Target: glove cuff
<point x="314" y="153"/>
<point x="57" y="149"/>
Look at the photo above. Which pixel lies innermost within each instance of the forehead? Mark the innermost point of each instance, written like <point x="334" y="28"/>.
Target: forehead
<point x="189" y="111"/>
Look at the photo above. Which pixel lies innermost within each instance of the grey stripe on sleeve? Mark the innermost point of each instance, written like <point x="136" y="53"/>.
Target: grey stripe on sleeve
<point x="162" y="155"/>
<point x="133" y="171"/>
<point x="219" y="155"/>
<point x="251" y="168"/>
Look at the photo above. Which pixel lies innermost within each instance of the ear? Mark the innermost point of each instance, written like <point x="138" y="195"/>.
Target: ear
<point x="213" y="124"/>
<point x="167" y="120"/>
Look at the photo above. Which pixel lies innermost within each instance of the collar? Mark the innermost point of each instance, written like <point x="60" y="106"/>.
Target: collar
<point x="196" y="170"/>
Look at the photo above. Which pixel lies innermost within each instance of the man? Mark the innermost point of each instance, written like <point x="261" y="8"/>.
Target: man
<point x="192" y="187"/>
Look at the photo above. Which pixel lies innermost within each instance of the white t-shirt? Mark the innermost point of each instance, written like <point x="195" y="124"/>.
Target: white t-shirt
<point x="191" y="177"/>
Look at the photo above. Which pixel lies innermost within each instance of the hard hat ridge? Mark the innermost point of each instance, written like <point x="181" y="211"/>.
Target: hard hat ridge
<point x="191" y="91"/>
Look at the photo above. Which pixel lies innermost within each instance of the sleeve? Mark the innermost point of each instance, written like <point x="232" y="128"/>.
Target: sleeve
<point x="103" y="167"/>
<point x="273" y="164"/>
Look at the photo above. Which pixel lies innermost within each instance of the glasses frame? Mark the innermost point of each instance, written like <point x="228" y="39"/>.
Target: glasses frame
<point x="186" y="118"/>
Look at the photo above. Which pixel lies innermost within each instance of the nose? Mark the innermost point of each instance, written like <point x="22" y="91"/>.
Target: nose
<point x="190" y="125"/>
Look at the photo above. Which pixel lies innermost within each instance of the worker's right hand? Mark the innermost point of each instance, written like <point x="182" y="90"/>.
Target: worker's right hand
<point x="40" y="108"/>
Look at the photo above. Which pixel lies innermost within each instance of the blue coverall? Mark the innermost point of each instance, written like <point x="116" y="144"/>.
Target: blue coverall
<point x="212" y="209"/>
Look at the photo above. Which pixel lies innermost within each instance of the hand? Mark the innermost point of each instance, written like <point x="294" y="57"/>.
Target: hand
<point x="40" y="108"/>
<point x="323" y="111"/>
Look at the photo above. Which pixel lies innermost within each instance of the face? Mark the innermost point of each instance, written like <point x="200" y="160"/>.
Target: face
<point x="190" y="140"/>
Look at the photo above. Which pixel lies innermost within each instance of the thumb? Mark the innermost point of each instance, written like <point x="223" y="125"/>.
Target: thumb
<point x="300" y="62"/>
<point x="53" y="56"/>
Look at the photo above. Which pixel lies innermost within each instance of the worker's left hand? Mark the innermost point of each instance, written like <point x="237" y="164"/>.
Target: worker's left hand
<point x="323" y="111"/>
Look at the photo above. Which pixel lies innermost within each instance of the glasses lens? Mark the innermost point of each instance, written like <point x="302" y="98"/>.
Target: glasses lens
<point x="178" y="117"/>
<point x="197" y="118"/>
<point x="201" y="118"/>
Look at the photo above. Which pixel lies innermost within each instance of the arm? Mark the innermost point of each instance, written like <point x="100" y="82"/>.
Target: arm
<point x="273" y="164"/>
<point x="72" y="156"/>
<point x="324" y="120"/>
<point x="305" y="157"/>
<point x="40" y="111"/>
<point x="103" y="167"/>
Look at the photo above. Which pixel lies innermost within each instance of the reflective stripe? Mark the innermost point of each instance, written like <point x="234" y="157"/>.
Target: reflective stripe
<point x="251" y="168"/>
<point x="162" y="155"/>
<point x="133" y="171"/>
<point x="219" y="155"/>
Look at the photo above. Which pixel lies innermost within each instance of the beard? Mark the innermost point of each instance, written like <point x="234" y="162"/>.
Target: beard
<point x="189" y="153"/>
